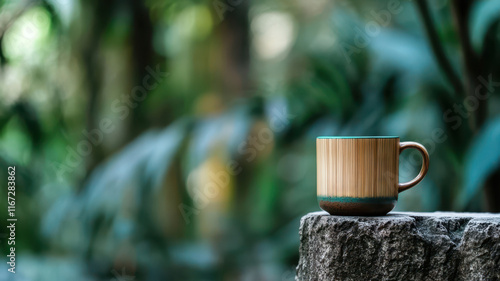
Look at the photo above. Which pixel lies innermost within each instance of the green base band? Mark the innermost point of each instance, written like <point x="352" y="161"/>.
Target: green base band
<point x="376" y="200"/>
<point x="359" y="137"/>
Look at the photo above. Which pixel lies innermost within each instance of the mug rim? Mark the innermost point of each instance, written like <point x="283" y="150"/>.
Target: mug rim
<point x="357" y="137"/>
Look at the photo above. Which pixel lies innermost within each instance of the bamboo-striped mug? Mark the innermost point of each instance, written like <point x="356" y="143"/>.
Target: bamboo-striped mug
<point x="360" y="175"/>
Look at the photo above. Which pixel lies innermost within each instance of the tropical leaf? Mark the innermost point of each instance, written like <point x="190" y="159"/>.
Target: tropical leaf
<point x="482" y="159"/>
<point x="490" y="54"/>
<point x="484" y="14"/>
<point x="223" y="134"/>
<point x="115" y="191"/>
<point x="167" y="145"/>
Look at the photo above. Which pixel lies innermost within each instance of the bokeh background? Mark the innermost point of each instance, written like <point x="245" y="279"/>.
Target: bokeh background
<point x="175" y="140"/>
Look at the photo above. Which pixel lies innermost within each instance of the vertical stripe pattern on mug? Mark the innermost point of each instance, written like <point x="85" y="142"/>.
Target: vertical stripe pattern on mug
<point x="357" y="167"/>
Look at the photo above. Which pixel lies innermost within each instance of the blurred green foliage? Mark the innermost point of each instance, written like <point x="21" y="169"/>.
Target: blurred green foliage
<point x="175" y="140"/>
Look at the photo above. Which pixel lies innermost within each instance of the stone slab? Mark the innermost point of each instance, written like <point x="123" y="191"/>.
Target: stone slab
<point x="400" y="246"/>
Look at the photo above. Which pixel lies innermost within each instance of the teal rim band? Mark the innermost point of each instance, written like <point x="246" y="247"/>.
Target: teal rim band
<point x="358" y="200"/>
<point x="360" y="137"/>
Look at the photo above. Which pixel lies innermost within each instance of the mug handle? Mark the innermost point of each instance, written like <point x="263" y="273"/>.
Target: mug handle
<point x="423" y="170"/>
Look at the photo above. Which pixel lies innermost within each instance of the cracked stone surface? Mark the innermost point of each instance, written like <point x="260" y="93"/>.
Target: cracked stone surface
<point x="400" y="246"/>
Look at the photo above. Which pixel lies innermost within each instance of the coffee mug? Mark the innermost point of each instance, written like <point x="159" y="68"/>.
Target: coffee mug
<point x="360" y="175"/>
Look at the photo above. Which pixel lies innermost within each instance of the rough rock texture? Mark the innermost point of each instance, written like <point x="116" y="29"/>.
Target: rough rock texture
<point x="400" y="246"/>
